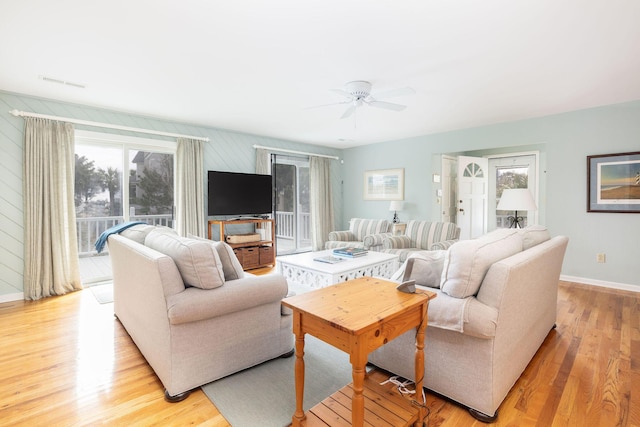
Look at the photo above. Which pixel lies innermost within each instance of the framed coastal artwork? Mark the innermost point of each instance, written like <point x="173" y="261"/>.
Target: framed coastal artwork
<point x="384" y="184"/>
<point x="613" y="183"/>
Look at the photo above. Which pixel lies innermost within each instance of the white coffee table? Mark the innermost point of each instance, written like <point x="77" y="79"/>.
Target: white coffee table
<point x="301" y="268"/>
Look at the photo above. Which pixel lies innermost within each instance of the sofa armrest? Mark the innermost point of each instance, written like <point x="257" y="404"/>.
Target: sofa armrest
<point x="442" y="246"/>
<point x="236" y="295"/>
<point x="374" y="241"/>
<point x="467" y="316"/>
<point x="342" y="236"/>
<point x="480" y="320"/>
<point x="396" y="242"/>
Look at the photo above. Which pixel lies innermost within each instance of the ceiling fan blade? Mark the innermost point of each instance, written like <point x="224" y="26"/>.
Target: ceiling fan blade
<point x="386" y="105"/>
<point x="349" y="111"/>
<point x="403" y="91"/>
<point x="342" y="92"/>
<point x="327" y="105"/>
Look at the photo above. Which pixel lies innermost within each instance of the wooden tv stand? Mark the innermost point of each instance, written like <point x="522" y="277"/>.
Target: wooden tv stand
<point x="261" y="253"/>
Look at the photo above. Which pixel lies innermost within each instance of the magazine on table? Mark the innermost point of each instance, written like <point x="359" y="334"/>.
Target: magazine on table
<point x="350" y="252"/>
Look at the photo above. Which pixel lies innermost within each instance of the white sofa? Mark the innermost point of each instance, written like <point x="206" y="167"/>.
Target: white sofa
<point x="496" y="303"/>
<point x="419" y="236"/>
<point x="192" y="311"/>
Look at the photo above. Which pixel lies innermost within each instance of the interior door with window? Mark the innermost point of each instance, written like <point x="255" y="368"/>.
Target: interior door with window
<point x="472" y="196"/>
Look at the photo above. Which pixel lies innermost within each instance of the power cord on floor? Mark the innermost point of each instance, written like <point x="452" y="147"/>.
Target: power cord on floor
<point x="402" y="387"/>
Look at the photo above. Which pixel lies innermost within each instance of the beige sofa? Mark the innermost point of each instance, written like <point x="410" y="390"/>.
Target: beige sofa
<point x="496" y="303"/>
<point x="192" y="311"/>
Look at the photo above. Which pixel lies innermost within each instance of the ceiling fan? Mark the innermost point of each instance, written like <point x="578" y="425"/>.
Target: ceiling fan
<point x="358" y="93"/>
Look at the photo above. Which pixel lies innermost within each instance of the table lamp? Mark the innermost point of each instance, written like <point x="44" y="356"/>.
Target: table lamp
<point x="516" y="199"/>
<point x="395" y="207"/>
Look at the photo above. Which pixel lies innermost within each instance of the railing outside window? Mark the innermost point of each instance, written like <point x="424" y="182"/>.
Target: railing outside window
<point x="89" y="229"/>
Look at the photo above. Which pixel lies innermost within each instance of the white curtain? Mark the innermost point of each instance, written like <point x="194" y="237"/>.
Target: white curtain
<point x="263" y="161"/>
<point x="321" y="200"/>
<point x="51" y="265"/>
<point x="190" y="209"/>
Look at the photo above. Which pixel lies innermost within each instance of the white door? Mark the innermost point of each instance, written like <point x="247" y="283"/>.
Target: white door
<point x="472" y="196"/>
<point x="448" y="199"/>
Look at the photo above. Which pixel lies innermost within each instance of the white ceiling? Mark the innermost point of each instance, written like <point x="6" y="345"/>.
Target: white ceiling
<point x="256" y="66"/>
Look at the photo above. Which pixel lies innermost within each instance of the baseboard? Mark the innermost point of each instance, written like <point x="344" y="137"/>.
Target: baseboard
<point x="602" y="283"/>
<point x="17" y="296"/>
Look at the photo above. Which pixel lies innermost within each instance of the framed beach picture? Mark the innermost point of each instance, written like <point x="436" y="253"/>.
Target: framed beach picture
<point x="613" y="183"/>
<point x="385" y="184"/>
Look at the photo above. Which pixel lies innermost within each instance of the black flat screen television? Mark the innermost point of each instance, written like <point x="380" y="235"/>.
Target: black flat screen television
<point x="234" y="193"/>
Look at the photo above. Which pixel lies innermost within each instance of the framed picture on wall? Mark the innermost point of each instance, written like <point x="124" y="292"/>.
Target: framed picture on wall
<point x="613" y="183"/>
<point x="384" y="184"/>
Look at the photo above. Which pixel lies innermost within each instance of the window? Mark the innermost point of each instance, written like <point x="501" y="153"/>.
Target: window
<point x="512" y="171"/>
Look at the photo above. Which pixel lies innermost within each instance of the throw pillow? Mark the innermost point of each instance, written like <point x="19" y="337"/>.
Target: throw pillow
<point x="198" y="262"/>
<point x="425" y="268"/>
<point x="230" y="265"/>
<point x="467" y="261"/>
<point x="534" y="235"/>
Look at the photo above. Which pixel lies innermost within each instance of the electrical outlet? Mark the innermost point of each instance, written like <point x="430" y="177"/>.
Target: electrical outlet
<point x="601" y="258"/>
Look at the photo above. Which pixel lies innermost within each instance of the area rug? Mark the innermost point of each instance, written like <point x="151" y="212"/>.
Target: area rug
<point x="103" y="293"/>
<point x="265" y="394"/>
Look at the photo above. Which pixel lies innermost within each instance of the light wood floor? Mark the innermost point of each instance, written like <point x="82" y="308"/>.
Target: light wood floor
<point x="66" y="361"/>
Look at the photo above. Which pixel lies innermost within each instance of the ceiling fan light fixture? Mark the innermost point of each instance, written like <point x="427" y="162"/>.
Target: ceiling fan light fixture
<point x="359" y="89"/>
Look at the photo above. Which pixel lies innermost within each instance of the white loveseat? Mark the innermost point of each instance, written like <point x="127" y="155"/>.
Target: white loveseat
<point x="496" y="303"/>
<point x="192" y="311"/>
<point x="420" y="236"/>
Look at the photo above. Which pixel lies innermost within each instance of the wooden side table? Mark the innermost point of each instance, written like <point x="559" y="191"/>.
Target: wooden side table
<point x="357" y="317"/>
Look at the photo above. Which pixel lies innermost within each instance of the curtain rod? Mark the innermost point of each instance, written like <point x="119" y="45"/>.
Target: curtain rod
<point x="104" y="125"/>
<point x="296" y="152"/>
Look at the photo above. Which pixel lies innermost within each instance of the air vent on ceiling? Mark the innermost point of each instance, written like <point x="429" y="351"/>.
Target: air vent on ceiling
<point x="62" y="82"/>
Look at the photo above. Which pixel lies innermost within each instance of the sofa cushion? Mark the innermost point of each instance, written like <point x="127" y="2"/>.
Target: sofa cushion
<point x="361" y="227"/>
<point x="467" y="261"/>
<point x="198" y="262"/>
<point x="139" y="232"/>
<point x="534" y="235"/>
<point x="425" y="268"/>
<point x="423" y="234"/>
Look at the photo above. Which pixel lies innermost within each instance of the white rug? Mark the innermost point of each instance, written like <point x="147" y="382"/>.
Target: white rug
<point x="103" y="293"/>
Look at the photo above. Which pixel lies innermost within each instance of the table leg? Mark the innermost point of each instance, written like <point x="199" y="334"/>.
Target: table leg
<point x="299" y="416"/>
<point x="419" y="367"/>
<point x="358" y="369"/>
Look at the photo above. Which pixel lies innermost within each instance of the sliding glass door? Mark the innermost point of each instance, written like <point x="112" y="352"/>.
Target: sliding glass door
<point x="118" y="179"/>
<point x="293" y="226"/>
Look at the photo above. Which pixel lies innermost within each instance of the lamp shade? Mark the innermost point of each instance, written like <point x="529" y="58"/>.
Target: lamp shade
<point x="396" y="206"/>
<point x="516" y="199"/>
